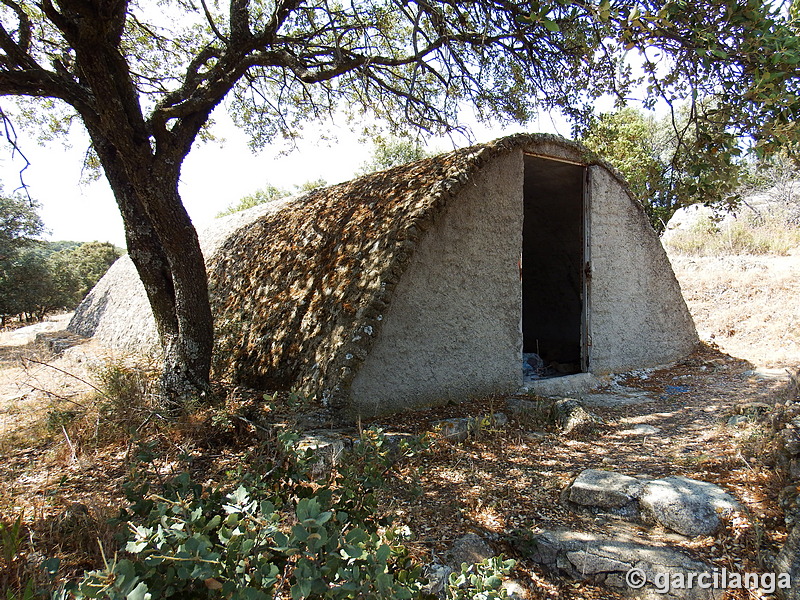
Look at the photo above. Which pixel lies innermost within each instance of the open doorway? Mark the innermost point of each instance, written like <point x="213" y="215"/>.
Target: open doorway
<point x="553" y="284"/>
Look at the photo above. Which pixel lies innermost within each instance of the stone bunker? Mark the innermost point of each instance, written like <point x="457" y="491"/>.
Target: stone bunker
<point x="449" y="277"/>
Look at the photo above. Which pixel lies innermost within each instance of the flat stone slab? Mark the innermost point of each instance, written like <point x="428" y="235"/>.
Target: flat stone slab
<point x="618" y="564"/>
<point x="620" y="396"/>
<point x="604" y="489"/>
<point x="688" y="506"/>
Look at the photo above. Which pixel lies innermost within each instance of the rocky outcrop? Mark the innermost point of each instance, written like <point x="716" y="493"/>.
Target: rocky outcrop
<point x="644" y="570"/>
<point x="686" y="506"/>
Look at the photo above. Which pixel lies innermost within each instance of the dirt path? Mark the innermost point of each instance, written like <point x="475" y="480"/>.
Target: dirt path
<point x="513" y="478"/>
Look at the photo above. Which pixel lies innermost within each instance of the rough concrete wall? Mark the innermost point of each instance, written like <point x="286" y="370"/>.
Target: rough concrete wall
<point x="453" y="326"/>
<point x="638" y="315"/>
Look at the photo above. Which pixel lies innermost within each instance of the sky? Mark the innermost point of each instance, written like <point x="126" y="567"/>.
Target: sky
<point x="214" y="175"/>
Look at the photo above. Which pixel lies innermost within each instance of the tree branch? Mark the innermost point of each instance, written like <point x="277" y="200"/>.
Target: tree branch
<point x="211" y="24"/>
<point x="11" y="138"/>
<point x="240" y="23"/>
<point x="25" y="27"/>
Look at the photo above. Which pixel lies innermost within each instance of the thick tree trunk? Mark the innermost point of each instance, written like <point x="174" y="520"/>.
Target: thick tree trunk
<point x="165" y="250"/>
<point x="142" y="159"/>
<point x="187" y="350"/>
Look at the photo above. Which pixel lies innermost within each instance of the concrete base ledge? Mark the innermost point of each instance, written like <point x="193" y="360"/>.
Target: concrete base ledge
<point x="569" y="385"/>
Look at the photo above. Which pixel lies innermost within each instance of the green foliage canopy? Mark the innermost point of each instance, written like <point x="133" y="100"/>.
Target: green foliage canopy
<point x="269" y="193"/>
<point x="388" y="152"/>
<point x="37" y="276"/>
<point x="664" y="162"/>
<point x="20" y="225"/>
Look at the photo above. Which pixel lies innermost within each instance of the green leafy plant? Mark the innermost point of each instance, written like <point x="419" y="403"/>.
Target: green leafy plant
<point x="12" y="564"/>
<point x="273" y="534"/>
<point x="481" y="581"/>
<point x="195" y="542"/>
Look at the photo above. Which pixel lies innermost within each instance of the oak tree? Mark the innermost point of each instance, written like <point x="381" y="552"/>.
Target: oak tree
<point x="659" y="159"/>
<point x="144" y="77"/>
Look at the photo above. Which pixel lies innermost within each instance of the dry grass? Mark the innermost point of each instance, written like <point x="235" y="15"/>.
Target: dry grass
<point x="770" y="234"/>
<point x="745" y="304"/>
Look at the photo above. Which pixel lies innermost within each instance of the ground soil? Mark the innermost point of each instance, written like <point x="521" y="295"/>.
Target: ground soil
<point x="747" y="305"/>
<point x="502" y="479"/>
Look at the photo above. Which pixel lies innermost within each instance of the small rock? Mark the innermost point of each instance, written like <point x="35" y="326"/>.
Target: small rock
<point x="737" y="420"/>
<point x="453" y="429"/>
<point x="437" y="575"/>
<point x="572" y="418"/>
<point x="460" y="429"/>
<point x="792" y="448"/>
<point x="790" y="504"/>
<point x="753" y="408"/>
<point x="788" y="561"/>
<point x="470" y="549"/>
<point x="327" y="451"/>
<point x="688" y="506"/>
<point x="514" y="589"/>
<point x="794" y="469"/>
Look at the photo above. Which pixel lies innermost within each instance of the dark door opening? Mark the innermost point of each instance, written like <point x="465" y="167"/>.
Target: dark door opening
<point x="552" y="267"/>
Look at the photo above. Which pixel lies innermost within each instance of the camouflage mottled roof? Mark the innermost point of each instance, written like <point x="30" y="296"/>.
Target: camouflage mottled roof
<point x="299" y="294"/>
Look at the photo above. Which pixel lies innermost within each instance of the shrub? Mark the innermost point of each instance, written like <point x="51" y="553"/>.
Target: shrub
<point x="269" y="536"/>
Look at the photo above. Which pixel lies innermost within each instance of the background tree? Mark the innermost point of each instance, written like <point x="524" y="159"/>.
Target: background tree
<point x="85" y="265"/>
<point x="269" y="193"/>
<point x="144" y="81"/>
<point x="20" y="225"/>
<point x="388" y="152"/>
<point x="663" y="162"/>
<point x="36" y="276"/>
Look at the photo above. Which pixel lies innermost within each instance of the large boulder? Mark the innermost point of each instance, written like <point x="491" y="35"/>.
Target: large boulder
<point x="688" y="506"/>
<point x="604" y="489"/>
